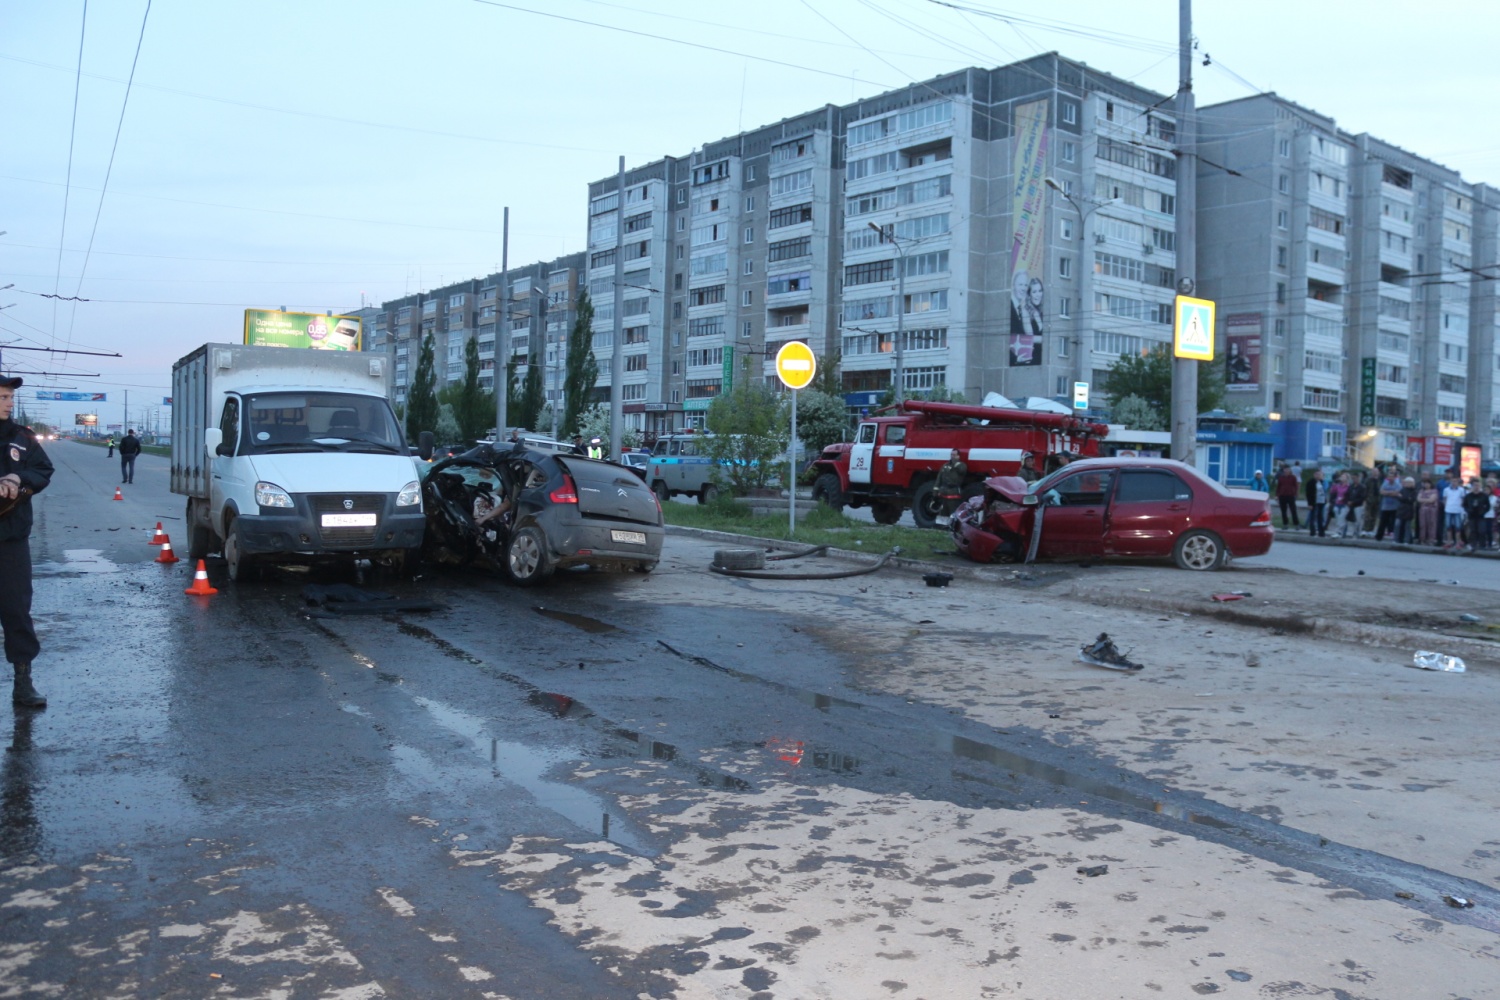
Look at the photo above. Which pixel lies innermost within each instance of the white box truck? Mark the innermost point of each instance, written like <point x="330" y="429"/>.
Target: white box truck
<point x="292" y="455"/>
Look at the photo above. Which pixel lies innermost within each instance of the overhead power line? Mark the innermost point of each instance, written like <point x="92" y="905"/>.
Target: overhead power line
<point x="62" y="235"/>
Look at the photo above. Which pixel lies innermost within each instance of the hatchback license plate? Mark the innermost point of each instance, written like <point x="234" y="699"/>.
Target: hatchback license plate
<point x="349" y="520"/>
<point x="628" y="537"/>
<point x="943" y="520"/>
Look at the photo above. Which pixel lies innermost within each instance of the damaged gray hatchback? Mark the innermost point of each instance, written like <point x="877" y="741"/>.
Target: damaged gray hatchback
<point x="528" y="513"/>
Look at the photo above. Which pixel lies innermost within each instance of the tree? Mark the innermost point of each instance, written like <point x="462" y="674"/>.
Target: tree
<point x="447" y="429"/>
<point x="937" y="394"/>
<point x="828" y="380"/>
<point x="529" y="402"/>
<point x="594" y="423"/>
<point x="421" y="398"/>
<point x="1137" y="414"/>
<point x="580" y="370"/>
<point x="750" y="428"/>
<point x="473" y="408"/>
<point x="821" y="420"/>
<point x="1149" y="376"/>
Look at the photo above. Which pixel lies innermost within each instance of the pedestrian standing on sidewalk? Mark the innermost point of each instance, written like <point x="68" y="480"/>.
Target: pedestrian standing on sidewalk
<point x="1286" y="495"/>
<point x="1317" y="504"/>
<point x="1493" y="489"/>
<point x="1453" y="511"/>
<point x="1338" y="501"/>
<point x="1476" y="506"/>
<point x="1354" y="501"/>
<point x="1428" y="513"/>
<point x="1258" y="482"/>
<point x="130" y="447"/>
<point x="1372" y="502"/>
<point x="24" y="470"/>
<point x="1390" y="499"/>
<point x="1406" y="511"/>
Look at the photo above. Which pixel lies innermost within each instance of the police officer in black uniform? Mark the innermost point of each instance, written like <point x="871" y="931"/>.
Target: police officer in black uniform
<point x="24" y="470"/>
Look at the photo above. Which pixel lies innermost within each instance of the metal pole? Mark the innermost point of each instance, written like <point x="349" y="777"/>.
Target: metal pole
<point x="502" y="334"/>
<point x="1084" y="342"/>
<point x="791" y="480"/>
<point x="900" y="314"/>
<point x="617" y="363"/>
<point x="1185" y="370"/>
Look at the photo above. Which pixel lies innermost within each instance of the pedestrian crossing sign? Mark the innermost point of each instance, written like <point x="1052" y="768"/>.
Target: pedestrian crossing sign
<point x="1193" y="333"/>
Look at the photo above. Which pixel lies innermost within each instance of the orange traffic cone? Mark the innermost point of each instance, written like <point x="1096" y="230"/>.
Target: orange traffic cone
<point x="160" y="538"/>
<point x="118" y="495"/>
<point x="200" y="587"/>
<point x="167" y="555"/>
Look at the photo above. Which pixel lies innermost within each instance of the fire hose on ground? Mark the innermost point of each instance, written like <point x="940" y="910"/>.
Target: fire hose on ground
<point x="752" y="564"/>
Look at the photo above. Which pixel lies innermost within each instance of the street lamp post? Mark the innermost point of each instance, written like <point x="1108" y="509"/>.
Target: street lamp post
<point x="1085" y="274"/>
<point x="894" y="240"/>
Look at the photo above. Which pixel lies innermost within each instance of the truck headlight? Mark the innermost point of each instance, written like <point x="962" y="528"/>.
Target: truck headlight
<point x="271" y="495"/>
<point x="410" y="495"/>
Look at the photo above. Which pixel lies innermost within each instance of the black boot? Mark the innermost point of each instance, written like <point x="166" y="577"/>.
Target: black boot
<point x="23" y="695"/>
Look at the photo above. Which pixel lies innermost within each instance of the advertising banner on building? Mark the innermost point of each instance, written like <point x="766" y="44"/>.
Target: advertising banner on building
<point x="274" y="328"/>
<point x="86" y="419"/>
<point x="1435" y="451"/>
<point x="72" y="397"/>
<point x="1028" y="250"/>
<point x="1242" y="342"/>
<point x="1367" y="392"/>
<point x="1469" y="457"/>
<point x="728" y="374"/>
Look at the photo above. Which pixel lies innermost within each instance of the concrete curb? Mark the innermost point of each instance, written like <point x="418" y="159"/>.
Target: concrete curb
<point x="1472" y="650"/>
<point x="1297" y="536"/>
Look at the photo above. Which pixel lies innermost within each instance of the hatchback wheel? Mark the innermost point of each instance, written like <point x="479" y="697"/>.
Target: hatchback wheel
<point x="526" y="559"/>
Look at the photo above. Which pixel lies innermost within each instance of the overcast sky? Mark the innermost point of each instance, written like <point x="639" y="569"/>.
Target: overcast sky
<point x="317" y="153"/>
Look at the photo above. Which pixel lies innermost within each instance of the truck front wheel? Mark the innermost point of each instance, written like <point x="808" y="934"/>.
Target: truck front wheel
<point x="242" y="568"/>
<point x="827" y="490"/>
<point x="926" y="505"/>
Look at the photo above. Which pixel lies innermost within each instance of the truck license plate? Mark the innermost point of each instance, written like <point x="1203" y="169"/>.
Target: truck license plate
<point x="349" y="520"/>
<point x="628" y="537"/>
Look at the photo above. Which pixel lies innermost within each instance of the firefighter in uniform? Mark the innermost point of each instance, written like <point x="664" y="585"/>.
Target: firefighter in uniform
<point x="24" y="470"/>
<point x="950" y="482"/>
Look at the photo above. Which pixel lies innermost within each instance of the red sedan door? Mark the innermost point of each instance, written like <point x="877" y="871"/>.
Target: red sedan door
<point x="1150" y="509"/>
<point x="1073" y="525"/>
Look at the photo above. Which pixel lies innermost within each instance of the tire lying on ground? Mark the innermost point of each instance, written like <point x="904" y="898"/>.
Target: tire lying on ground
<point x="739" y="559"/>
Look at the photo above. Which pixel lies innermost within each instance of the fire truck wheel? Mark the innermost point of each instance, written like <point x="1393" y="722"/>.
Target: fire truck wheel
<point x="925" y="505"/>
<point x="826" y="490"/>
<point x="885" y="512"/>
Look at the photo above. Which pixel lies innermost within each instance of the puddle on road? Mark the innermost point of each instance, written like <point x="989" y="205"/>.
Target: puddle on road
<point x="584" y="622"/>
<point x="527" y="765"/>
<point x="76" y="562"/>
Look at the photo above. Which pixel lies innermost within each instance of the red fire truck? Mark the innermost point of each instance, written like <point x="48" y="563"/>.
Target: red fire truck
<point x="894" y="459"/>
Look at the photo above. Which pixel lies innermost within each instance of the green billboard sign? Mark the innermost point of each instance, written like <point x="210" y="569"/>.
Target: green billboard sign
<point x="274" y="328"/>
<point x="728" y="375"/>
<point x="1367" y="392"/>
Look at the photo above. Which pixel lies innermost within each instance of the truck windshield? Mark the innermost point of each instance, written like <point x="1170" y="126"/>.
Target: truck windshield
<point x="280" y="422"/>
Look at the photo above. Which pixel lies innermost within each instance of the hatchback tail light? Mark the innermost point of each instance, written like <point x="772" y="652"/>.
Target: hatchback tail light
<point x="1263" y="521"/>
<point x="568" y="492"/>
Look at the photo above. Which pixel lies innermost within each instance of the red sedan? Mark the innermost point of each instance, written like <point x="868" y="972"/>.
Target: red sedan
<point x="1135" y="508"/>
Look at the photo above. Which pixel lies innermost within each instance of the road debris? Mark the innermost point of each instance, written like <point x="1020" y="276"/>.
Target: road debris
<point x="1406" y="895"/>
<point x="1469" y="618"/>
<point x="1102" y="653"/>
<point x="937" y="579"/>
<point x="1458" y="902"/>
<point x="337" y="599"/>
<point x="1094" y="871"/>
<point x="1426" y="659"/>
<point x="1233" y="595"/>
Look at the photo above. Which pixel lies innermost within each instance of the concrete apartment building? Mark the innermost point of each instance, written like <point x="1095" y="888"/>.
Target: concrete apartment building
<point x="1355" y="282"/>
<point x="543" y="296"/>
<point x="927" y="208"/>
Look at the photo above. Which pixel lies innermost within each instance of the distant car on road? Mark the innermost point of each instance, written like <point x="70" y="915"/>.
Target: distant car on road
<point x="1138" y="508"/>
<point x="637" y="462"/>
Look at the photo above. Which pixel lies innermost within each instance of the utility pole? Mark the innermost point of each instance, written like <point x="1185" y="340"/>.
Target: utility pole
<point x="894" y="240"/>
<point x="1084" y="337"/>
<point x="617" y="363"/>
<point x="125" y="420"/>
<point x="1185" y="370"/>
<point x="502" y="332"/>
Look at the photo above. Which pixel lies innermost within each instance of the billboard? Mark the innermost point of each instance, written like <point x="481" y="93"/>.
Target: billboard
<point x="1242" y="345"/>
<point x="72" y="397"/>
<point x="274" y="328"/>
<point x="1437" y="451"/>
<point x="1028" y="249"/>
<point x="1469" y="456"/>
<point x="86" y="419"/>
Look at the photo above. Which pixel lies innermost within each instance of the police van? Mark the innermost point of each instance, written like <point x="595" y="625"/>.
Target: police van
<point x="680" y="464"/>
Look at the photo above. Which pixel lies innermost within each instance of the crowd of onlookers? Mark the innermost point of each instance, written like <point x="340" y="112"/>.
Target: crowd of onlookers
<point x="1438" y="510"/>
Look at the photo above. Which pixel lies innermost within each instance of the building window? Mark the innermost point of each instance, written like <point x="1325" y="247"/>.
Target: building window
<point x="1069" y="152"/>
<point x="1065" y="267"/>
<point x="748" y="298"/>
<point x="681" y="223"/>
<point x="749" y="267"/>
<point x="635" y="363"/>
<point x="1283" y="183"/>
<point x="677" y="282"/>
<point x="1062" y="346"/>
<point x="749" y="234"/>
<point x="1286" y="147"/>
<point x="682" y="196"/>
<point x="746" y="330"/>
<point x="750" y="203"/>
<point x="1281" y="258"/>
<point x="790" y="216"/>
<point x="1065" y="307"/>
<point x="1069" y="113"/>
<point x="1280" y="328"/>
<point x="1065" y="228"/>
<point x="1281" y="292"/>
<point x="1281" y="219"/>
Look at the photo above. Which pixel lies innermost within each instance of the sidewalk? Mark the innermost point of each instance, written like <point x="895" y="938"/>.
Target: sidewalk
<point x="1300" y="535"/>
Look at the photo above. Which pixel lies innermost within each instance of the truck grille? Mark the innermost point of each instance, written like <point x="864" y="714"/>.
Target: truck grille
<point x="333" y="503"/>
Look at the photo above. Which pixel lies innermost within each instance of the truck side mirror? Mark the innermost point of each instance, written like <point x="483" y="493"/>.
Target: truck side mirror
<point x="213" y="440"/>
<point x="426" y="445"/>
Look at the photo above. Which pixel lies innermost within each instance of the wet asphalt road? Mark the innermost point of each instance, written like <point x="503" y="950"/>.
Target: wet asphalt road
<point x="233" y="795"/>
